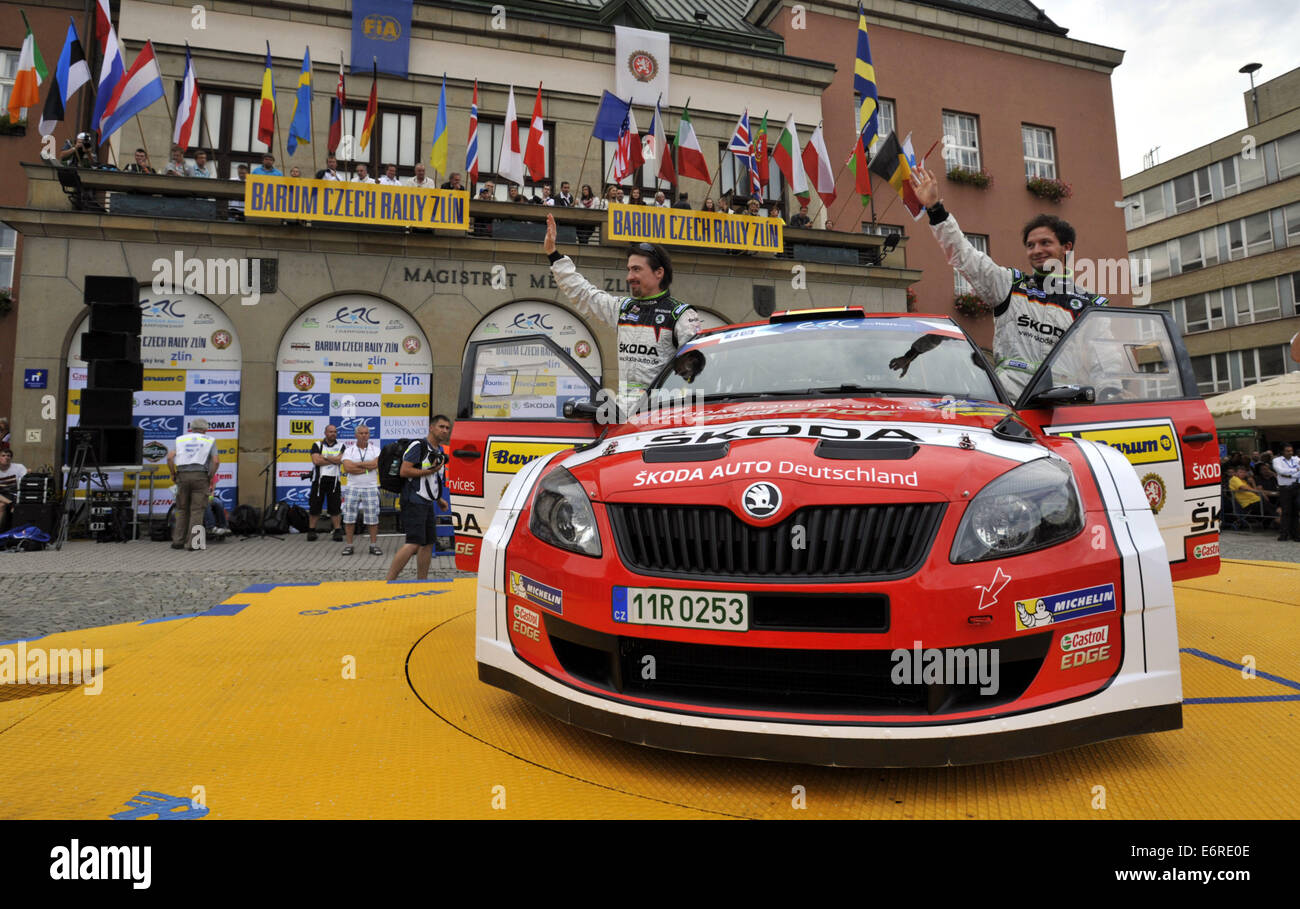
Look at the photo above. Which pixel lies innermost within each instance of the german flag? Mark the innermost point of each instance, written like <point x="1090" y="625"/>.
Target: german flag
<point x="891" y="165"/>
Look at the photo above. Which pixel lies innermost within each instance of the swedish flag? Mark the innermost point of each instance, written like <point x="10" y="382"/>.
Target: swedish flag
<point x="300" y="128"/>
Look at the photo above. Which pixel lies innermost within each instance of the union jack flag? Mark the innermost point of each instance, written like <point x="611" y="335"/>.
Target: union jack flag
<point x="742" y="146"/>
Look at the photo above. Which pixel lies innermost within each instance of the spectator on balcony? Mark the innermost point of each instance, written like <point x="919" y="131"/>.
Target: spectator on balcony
<point x="488" y="193"/>
<point x="752" y="209"/>
<point x="420" y="179"/>
<point x="268" y="168"/>
<point x="682" y="202"/>
<point x="176" y="163"/>
<point x="295" y="171"/>
<point x="513" y="194"/>
<point x="636" y="198"/>
<point x="201" y="167"/>
<point x="331" y="170"/>
<point x="362" y="175"/>
<point x="830" y="225"/>
<point x="237" y="205"/>
<point x="661" y="200"/>
<point x="709" y="205"/>
<point x="774" y="210"/>
<point x="801" y="219"/>
<point x="589" y="200"/>
<point x="565" y="196"/>
<point x="140" y="165"/>
<point x="390" y="177"/>
<point x="453" y="182"/>
<point x="546" y="197"/>
<point x="79" y="151"/>
<point x="613" y="195"/>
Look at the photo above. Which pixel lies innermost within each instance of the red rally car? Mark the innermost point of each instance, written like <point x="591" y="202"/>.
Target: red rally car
<point x="831" y="538"/>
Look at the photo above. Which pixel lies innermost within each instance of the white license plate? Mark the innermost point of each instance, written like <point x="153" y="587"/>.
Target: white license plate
<point x="707" y="609"/>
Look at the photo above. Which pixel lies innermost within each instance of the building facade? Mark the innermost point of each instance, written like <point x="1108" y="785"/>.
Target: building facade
<point x="1217" y="231"/>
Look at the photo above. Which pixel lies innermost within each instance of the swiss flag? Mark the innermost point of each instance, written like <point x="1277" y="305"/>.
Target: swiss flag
<point x="535" y="151"/>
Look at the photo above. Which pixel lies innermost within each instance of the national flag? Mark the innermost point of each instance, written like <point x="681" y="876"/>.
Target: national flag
<point x="627" y="157"/>
<point x="817" y="165"/>
<point x="510" y="162"/>
<point x="742" y="146"/>
<point x="690" y="160"/>
<point x="372" y="106"/>
<point x="266" y="109"/>
<point x="70" y="73"/>
<point x="861" y="175"/>
<point x="864" y="84"/>
<point x="438" y="153"/>
<point x="337" y="105"/>
<point x="187" y="111"/>
<point x="300" y="126"/>
<point x="471" y="147"/>
<point x="609" y="117"/>
<point x="760" y="152"/>
<point x="112" y="66"/>
<point x="141" y="86"/>
<point x="786" y="156"/>
<point x="891" y="163"/>
<point x="535" y="151"/>
<point x="659" y="142"/>
<point x="27" y="80"/>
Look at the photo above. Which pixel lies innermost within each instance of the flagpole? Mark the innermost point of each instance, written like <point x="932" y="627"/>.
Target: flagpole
<point x="583" y="167"/>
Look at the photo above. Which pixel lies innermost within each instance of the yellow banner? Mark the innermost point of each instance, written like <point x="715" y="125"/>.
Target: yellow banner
<point x="684" y="227"/>
<point x="1140" y="444"/>
<point x="355" y="203"/>
<point x="510" y="457"/>
<point x="360" y="383"/>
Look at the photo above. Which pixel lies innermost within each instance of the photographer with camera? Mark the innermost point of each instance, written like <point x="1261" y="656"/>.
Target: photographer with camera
<point x="81" y="151"/>
<point x="423" y="466"/>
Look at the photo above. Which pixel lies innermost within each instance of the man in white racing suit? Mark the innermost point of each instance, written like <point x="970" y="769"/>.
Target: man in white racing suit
<point x="651" y="323"/>
<point x="1031" y="310"/>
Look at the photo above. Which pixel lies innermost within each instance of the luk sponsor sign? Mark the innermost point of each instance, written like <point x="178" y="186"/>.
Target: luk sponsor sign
<point x="684" y="227"/>
<point x="355" y="203"/>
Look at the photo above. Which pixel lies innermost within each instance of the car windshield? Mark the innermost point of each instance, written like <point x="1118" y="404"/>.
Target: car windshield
<point x="877" y="357"/>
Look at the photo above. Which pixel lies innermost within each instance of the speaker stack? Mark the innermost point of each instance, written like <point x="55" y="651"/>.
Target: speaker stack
<point x="111" y="350"/>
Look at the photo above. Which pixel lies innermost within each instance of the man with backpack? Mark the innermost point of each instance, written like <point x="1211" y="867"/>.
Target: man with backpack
<point x="425" y="492"/>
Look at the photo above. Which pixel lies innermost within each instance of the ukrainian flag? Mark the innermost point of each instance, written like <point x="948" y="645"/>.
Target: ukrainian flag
<point x="300" y="128"/>
<point x="438" y="154"/>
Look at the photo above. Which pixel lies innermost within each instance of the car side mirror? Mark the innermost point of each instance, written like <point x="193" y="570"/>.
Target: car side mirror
<point x="580" y="410"/>
<point x="1063" y="394"/>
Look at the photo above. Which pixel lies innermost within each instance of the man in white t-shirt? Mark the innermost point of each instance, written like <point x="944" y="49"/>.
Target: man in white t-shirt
<point x="11" y="475"/>
<point x="361" y="465"/>
<point x="193" y="465"/>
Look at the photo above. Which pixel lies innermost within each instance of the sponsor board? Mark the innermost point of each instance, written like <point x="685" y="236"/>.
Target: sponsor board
<point x="1142" y="444"/>
<point x="510" y="457"/>
<point x="536" y="592"/>
<point x="184" y="330"/>
<point x="211" y="403"/>
<point x="353" y="333"/>
<point x="404" y="406"/>
<point x="354" y="383"/>
<point x="1035" y="612"/>
<point x="303" y="404"/>
<point x="164" y="380"/>
<point x="404" y="383"/>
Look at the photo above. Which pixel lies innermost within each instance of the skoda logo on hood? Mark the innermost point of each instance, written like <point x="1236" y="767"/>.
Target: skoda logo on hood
<point x="761" y="500"/>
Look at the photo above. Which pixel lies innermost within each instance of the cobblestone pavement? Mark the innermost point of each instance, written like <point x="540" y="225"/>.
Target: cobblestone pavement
<point x="88" y="584"/>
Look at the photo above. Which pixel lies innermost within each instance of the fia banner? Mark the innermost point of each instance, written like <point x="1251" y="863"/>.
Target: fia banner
<point x="381" y="34"/>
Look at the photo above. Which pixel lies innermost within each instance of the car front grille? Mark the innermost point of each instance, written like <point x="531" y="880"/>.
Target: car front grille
<point x="822" y="543"/>
<point x="790" y="680"/>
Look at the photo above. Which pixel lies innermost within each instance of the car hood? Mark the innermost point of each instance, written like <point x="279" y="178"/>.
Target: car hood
<point x="827" y="451"/>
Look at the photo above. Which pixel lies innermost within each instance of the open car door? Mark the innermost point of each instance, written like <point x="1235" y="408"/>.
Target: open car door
<point x="1145" y="404"/>
<point x="511" y="410"/>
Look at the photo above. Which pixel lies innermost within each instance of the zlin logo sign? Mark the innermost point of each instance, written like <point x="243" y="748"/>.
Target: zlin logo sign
<point x="361" y="315"/>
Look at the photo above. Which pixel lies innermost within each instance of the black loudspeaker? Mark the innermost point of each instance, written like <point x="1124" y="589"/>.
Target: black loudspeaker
<point x="115" y="374"/>
<point x="110" y="345"/>
<point x="116" y="317"/>
<point x="45" y="517"/>
<point x="112" y="444"/>
<point x="111" y="289"/>
<point x="106" y="406"/>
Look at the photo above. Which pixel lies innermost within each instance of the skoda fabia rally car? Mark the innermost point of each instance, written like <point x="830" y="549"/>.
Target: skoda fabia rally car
<point x="831" y="538"/>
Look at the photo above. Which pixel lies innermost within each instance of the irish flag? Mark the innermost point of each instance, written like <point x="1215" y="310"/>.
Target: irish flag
<point x="786" y="156"/>
<point x="690" y="160"/>
<point x="31" y="73"/>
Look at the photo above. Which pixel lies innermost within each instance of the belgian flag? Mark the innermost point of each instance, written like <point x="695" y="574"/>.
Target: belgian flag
<point x="892" y="164"/>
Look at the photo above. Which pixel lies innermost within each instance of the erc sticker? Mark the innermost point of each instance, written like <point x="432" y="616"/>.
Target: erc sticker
<point x="536" y="592"/>
<point x="1036" y="612"/>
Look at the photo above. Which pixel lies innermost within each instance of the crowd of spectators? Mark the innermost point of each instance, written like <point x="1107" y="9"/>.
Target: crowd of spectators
<point x="1253" y="497"/>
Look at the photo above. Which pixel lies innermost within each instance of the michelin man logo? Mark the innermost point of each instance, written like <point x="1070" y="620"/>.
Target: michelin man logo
<point x="1033" y="614"/>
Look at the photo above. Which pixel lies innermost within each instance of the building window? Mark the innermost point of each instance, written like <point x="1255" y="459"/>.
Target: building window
<point x="1250" y="171"/>
<point x="1198" y="250"/>
<point x="1157" y="263"/>
<point x="964" y="151"/>
<point x="959" y="284"/>
<point x="882" y="230"/>
<point x="1192" y="190"/>
<point x="394" y="139"/>
<point x="733" y="178"/>
<point x="1204" y="312"/>
<point x="8" y="69"/>
<point x="1291" y="214"/>
<point x="643" y="176"/>
<point x="1262" y="363"/>
<point x="1257" y="302"/>
<point x="8" y="242"/>
<point x="489" y="153"/>
<point x="227" y="127"/>
<point x="886" y="118"/>
<point x="1250" y="236"/>
<point x="1288" y="155"/>
<point x="1150" y="207"/>
<point x="1040" y="152"/>
<point x="1211" y="373"/>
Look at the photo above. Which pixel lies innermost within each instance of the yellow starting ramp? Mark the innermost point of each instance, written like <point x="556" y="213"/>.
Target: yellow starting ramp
<point x="361" y="700"/>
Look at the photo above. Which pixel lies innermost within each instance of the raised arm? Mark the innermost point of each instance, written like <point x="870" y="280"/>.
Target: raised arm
<point x="991" y="281"/>
<point x="585" y="296"/>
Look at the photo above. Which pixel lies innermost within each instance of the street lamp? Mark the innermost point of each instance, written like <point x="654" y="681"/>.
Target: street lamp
<point x="1250" y="69"/>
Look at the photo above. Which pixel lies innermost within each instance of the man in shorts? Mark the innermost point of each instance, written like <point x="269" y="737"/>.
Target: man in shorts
<point x="425" y="493"/>
<point x="326" y="485"/>
<point x="361" y="464"/>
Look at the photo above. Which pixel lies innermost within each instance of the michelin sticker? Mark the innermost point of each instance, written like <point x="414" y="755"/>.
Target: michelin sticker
<point x="535" y="592"/>
<point x="1036" y="612"/>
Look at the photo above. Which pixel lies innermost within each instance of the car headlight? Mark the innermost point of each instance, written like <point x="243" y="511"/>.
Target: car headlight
<point x="563" y="516"/>
<point x="1031" y="507"/>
